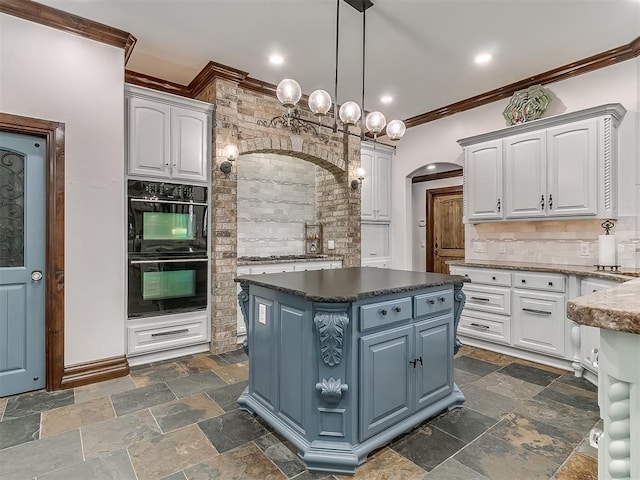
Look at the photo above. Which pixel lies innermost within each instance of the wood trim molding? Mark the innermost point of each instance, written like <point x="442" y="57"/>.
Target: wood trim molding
<point x="95" y="371"/>
<point x="144" y="80"/>
<point x="210" y="72"/>
<point x="437" y="176"/>
<point x="67" y="22"/>
<point x="431" y="194"/>
<point x="589" y="64"/>
<point x="54" y="133"/>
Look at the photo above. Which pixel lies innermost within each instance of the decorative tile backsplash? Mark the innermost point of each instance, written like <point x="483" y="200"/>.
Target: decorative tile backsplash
<point x="562" y="242"/>
<point x="276" y="196"/>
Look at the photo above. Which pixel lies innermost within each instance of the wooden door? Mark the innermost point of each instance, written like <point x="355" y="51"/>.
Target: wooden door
<point x="445" y="233"/>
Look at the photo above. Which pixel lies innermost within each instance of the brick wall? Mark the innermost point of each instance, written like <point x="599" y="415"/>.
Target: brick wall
<point x="236" y="119"/>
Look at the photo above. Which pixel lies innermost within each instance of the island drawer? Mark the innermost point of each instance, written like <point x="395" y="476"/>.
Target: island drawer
<point x="484" y="275"/>
<point x="551" y="282"/>
<point x="488" y="299"/>
<point x="384" y="313"/>
<point x="489" y="326"/>
<point x="433" y="303"/>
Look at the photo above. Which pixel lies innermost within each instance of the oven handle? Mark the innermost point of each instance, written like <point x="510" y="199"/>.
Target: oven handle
<point x="172" y="260"/>
<point x="146" y="200"/>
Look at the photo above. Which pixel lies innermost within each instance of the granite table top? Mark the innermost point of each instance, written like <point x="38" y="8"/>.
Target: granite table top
<point x="349" y="284"/>
<point x="615" y="309"/>
<point x="582" y="270"/>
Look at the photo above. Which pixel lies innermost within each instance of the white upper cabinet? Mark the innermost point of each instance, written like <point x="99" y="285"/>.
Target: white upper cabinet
<point x="167" y="136"/>
<point x="376" y="188"/>
<point x="483" y="182"/>
<point x="563" y="166"/>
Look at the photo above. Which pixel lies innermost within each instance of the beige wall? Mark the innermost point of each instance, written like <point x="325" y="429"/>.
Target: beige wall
<point x="48" y="74"/>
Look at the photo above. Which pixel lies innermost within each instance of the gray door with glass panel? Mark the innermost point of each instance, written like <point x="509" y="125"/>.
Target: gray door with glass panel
<point x="22" y="261"/>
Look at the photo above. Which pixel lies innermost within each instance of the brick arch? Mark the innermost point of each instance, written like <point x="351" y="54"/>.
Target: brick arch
<point x="295" y="146"/>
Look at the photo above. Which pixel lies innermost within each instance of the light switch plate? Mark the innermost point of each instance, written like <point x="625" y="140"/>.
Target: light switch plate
<point x="584" y="249"/>
<point x="502" y="248"/>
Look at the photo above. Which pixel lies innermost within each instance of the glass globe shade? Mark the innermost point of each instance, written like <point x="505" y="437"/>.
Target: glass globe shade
<point x="349" y="113"/>
<point x="289" y="92"/>
<point x="319" y="102"/>
<point x="396" y="129"/>
<point x="375" y="122"/>
<point x="231" y="152"/>
<point x="361" y="172"/>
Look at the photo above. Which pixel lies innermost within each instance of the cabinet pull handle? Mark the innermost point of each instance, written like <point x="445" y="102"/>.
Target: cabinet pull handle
<point x="420" y="360"/>
<point x="477" y="325"/>
<point x="172" y="332"/>
<point x="383" y="311"/>
<point x="397" y="309"/>
<point x="541" y="202"/>
<point x="551" y="284"/>
<point x="413" y="363"/>
<point x="432" y="301"/>
<point x="498" y="205"/>
<point x="524" y="281"/>
<point x="539" y="312"/>
<point x="481" y="299"/>
<point x="550" y="202"/>
<point x="442" y="299"/>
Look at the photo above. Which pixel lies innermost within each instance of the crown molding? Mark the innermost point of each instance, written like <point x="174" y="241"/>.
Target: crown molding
<point x="210" y="72"/>
<point x="67" y="22"/>
<point x="155" y="83"/>
<point x="589" y="64"/>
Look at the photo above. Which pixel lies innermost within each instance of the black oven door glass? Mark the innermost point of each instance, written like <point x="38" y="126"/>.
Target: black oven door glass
<point x="166" y="286"/>
<point x="167" y="226"/>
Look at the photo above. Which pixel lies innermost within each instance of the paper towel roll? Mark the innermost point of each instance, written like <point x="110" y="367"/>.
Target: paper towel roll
<point x="607" y="250"/>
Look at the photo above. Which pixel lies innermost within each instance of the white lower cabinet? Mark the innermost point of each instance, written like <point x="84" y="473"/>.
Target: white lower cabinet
<point x="153" y="334"/>
<point x="539" y="321"/>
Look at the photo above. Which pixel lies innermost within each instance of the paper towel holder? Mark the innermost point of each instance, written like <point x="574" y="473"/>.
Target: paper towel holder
<point x="608" y="226"/>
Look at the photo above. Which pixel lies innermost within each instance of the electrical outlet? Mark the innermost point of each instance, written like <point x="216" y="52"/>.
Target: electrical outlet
<point x="502" y="248"/>
<point x="480" y="247"/>
<point x="331" y="245"/>
<point x="584" y="249"/>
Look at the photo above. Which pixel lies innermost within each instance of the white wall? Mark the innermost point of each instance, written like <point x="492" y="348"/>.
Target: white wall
<point x="52" y="75"/>
<point x="437" y="142"/>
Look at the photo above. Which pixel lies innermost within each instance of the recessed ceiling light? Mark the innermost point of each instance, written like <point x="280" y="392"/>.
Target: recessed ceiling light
<point x="276" y="59"/>
<point x="386" y="99"/>
<point x="482" y="58"/>
<point x="431" y="167"/>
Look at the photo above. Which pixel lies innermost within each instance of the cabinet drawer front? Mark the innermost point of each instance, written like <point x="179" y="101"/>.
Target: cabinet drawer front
<point x="485" y="276"/>
<point x="154" y="336"/>
<point x="539" y="321"/>
<point x="488" y="299"/>
<point x="434" y="303"/>
<point x="550" y="282"/>
<point x="487" y="326"/>
<point x="591" y="286"/>
<point x="384" y="313"/>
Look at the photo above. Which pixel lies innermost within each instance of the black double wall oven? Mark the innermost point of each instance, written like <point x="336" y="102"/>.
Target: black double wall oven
<point x="167" y="248"/>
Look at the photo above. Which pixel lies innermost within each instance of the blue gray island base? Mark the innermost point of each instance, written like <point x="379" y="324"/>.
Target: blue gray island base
<point x="343" y="361"/>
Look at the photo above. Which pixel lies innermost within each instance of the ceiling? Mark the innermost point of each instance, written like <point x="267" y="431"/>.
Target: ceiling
<point x="418" y="51"/>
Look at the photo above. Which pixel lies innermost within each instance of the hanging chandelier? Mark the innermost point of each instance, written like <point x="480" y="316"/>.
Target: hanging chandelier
<point x="289" y="94"/>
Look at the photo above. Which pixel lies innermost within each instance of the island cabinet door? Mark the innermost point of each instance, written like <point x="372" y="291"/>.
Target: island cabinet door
<point x="385" y="379"/>
<point x="262" y="338"/>
<point x="432" y="363"/>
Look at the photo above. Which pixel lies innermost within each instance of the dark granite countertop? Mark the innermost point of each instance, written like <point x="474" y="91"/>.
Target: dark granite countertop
<point x="349" y="284"/>
<point x="288" y="259"/>
<point x="586" y="271"/>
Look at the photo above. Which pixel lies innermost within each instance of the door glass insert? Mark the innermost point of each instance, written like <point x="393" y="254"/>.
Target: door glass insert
<point x="11" y="208"/>
<point x="168" y="284"/>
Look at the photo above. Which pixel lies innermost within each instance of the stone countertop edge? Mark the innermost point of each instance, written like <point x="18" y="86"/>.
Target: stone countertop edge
<point x="263" y="281"/>
<point x="615" y="309"/>
<point x="271" y="261"/>
<point x="585" y="271"/>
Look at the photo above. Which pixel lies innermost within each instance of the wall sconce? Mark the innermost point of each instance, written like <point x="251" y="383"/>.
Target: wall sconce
<point x="231" y="152"/>
<point x="356" y="183"/>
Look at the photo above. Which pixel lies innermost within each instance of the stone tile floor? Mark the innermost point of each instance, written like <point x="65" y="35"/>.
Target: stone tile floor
<point x="178" y="420"/>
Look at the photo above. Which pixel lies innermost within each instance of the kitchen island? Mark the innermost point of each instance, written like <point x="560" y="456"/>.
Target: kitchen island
<point x="342" y="361"/>
<point x="616" y="312"/>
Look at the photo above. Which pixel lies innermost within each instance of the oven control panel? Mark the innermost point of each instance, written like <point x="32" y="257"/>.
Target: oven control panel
<point x="166" y="191"/>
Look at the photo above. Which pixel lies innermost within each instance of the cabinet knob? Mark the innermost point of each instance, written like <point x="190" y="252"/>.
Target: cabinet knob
<point x="432" y="301"/>
<point x="466" y="275"/>
<point x="397" y="309"/>
<point x="383" y="311"/>
<point x="551" y="284"/>
<point x="524" y="281"/>
<point x="493" y="278"/>
<point x="442" y="299"/>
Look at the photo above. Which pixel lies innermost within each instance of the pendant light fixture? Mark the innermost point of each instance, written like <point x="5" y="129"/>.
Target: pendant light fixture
<point x="289" y="94"/>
